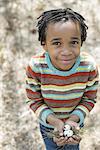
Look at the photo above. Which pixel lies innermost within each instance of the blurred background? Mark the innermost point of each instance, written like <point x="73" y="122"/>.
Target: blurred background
<point x="18" y="42"/>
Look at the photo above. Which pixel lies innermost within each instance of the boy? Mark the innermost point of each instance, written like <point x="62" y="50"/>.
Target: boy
<point x="61" y="82"/>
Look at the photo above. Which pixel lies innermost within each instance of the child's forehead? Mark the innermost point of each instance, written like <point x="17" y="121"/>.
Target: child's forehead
<point x="63" y="26"/>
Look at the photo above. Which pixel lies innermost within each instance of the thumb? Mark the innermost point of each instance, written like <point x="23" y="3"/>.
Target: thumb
<point x="72" y="123"/>
<point x="61" y="132"/>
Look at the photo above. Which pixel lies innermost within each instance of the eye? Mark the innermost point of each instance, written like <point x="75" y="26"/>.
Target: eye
<point x="74" y="42"/>
<point x="56" y="43"/>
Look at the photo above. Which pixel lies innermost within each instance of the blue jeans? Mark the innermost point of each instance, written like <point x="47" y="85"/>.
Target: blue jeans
<point x="51" y="145"/>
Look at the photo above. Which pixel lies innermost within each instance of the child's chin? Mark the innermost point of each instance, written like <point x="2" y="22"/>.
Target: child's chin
<point x="66" y="68"/>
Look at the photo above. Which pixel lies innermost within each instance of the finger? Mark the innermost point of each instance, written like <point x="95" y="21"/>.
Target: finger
<point x="58" y="139"/>
<point x="74" y="125"/>
<point x="76" y="137"/>
<point x="72" y="142"/>
<point x="55" y="139"/>
<point x="55" y="129"/>
<point x="70" y="139"/>
<point x="61" y="143"/>
<point x="61" y="133"/>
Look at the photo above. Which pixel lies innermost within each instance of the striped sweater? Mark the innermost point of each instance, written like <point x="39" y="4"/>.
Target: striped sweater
<point x="63" y="93"/>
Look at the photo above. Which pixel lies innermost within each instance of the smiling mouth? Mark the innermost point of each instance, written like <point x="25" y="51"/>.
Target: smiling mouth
<point x="68" y="61"/>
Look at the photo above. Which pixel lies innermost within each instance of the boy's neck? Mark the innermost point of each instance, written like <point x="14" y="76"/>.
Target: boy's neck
<point x="61" y="72"/>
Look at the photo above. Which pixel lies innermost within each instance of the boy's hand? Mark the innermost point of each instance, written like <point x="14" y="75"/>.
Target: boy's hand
<point x="57" y="123"/>
<point x="60" y="141"/>
<point x="73" y="124"/>
<point x="75" y="139"/>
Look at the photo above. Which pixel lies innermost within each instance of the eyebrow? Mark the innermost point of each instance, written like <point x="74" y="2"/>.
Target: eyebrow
<point x="72" y="38"/>
<point x="75" y="38"/>
<point x="55" y="39"/>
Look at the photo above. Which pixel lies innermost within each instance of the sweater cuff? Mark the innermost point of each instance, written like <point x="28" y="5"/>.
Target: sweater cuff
<point x="80" y="115"/>
<point x="45" y="114"/>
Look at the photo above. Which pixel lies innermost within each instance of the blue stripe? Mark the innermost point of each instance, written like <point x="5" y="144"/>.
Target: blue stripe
<point x="59" y="72"/>
<point x="44" y="115"/>
<point x="80" y="115"/>
<point x="63" y="97"/>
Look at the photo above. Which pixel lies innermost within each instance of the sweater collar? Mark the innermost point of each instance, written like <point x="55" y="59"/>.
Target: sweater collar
<point x="59" y="72"/>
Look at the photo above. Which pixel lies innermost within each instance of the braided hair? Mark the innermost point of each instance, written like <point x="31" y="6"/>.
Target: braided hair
<point x="56" y="15"/>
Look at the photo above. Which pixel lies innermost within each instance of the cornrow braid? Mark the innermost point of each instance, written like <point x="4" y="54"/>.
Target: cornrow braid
<point x="57" y="15"/>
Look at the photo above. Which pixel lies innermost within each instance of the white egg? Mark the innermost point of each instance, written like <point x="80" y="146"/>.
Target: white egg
<point x="65" y="132"/>
<point x="68" y="133"/>
<point x="67" y="127"/>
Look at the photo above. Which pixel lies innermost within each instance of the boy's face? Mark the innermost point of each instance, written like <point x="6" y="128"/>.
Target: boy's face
<point x="63" y="42"/>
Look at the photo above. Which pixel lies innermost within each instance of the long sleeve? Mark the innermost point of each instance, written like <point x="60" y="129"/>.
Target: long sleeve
<point x="33" y="90"/>
<point x="89" y="97"/>
<point x="61" y="92"/>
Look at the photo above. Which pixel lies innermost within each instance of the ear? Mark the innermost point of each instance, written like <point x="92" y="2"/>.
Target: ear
<point x="44" y="46"/>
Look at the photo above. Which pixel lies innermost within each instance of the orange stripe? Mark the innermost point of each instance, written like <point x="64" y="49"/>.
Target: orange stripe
<point x="36" y="56"/>
<point x="91" y="104"/>
<point x="85" y="106"/>
<point x="66" y="77"/>
<point x="65" y="84"/>
<point x="31" y="92"/>
<point x="56" y="76"/>
<point x="62" y="101"/>
<point x="31" y="72"/>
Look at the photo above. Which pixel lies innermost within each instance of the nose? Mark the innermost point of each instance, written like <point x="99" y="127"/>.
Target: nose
<point x="66" y="51"/>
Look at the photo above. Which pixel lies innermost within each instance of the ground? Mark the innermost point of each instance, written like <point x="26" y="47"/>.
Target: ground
<point x="19" y="129"/>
